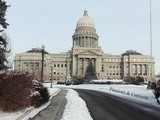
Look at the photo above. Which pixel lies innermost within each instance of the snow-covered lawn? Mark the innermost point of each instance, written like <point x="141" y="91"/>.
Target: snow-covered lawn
<point x="72" y="112"/>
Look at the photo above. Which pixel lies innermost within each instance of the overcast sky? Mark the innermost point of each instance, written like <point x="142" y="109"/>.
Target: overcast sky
<point x="121" y="25"/>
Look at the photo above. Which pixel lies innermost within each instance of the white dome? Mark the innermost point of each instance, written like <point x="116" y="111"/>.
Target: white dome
<point x="85" y="20"/>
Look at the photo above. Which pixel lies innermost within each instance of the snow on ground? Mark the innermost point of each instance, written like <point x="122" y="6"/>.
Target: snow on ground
<point x="17" y="115"/>
<point x="76" y="108"/>
<point x="138" y="93"/>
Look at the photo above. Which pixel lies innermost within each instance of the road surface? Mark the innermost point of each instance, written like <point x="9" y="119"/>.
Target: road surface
<point x="103" y="106"/>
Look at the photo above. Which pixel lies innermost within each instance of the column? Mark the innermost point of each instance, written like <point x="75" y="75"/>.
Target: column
<point x="83" y="72"/>
<point x="79" y="41"/>
<point x="136" y="66"/>
<point x="82" y="41"/>
<point x="86" y="41"/>
<point x="84" y="66"/>
<point x="91" y="41"/>
<point x="77" y="66"/>
<point x="141" y="69"/>
<point x="145" y="69"/>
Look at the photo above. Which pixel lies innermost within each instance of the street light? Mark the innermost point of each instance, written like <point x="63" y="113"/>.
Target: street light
<point x="51" y="75"/>
<point x="66" y="67"/>
<point x="42" y="51"/>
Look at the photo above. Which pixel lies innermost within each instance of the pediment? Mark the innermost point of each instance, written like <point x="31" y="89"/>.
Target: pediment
<point x="87" y="52"/>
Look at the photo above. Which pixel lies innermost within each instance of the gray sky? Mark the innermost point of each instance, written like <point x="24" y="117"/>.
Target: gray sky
<point x="121" y="24"/>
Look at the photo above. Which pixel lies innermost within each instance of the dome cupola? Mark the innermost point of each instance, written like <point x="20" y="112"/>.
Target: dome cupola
<point x="85" y="33"/>
<point x="85" y="21"/>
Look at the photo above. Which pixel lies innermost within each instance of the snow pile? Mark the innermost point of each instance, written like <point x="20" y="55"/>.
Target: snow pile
<point x="75" y="108"/>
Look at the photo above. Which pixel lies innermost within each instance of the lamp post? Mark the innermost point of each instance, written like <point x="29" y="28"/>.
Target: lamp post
<point x="51" y="75"/>
<point x="42" y="51"/>
<point x="66" y="68"/>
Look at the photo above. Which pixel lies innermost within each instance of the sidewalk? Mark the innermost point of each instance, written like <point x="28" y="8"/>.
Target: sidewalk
<point x="55" y="110"/>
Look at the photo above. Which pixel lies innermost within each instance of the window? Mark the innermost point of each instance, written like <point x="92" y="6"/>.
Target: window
<point x="102" y="68"/>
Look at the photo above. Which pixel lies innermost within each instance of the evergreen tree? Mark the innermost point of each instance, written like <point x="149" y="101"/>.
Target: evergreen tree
<point x="90" y="72"/>
<point x="3" y="40"/>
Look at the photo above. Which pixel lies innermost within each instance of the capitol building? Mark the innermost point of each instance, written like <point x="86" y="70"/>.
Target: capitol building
<point x="85" y="49"/>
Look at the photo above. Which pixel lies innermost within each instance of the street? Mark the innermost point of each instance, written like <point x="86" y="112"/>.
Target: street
<point x="103" y="106"/>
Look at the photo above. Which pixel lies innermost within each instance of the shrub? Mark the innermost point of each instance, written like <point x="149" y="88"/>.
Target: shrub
<point x="158" y="82"/>
<point x="61" y="82"/>
<point x="153" y="85"/>
<point x="134" y="80"/>
<point x="68" y="83"/>
<point x="19" y="90"/>
<point x="15" y="89"/>
<point x="77" y="81"/>
<point x="129" y="79"/>
<point x="138" y="80"/>
<point x="40" y="94"/>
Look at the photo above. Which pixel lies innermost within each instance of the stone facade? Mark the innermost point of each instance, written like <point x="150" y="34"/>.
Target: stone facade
<point x="85" y="49"/>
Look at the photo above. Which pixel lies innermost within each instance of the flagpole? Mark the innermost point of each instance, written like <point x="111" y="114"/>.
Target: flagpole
<point x="151" y="41"/>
